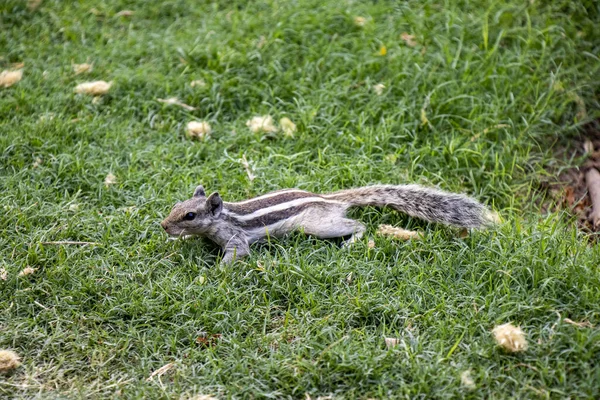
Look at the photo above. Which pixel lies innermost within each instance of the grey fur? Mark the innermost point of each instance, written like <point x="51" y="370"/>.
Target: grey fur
<point x="234" y="226"/>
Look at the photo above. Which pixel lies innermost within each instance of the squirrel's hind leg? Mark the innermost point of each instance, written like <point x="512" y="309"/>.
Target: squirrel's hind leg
<point x="357" y="234"/>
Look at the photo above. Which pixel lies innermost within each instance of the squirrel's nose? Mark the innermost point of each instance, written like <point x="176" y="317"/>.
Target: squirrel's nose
<point x="163" y="225"/>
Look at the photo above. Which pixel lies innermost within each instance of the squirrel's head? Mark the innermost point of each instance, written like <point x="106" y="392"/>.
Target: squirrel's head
<point x="194" y="216"/>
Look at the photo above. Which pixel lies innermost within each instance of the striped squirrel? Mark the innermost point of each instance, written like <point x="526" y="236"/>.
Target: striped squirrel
<point x="234" y="226"/>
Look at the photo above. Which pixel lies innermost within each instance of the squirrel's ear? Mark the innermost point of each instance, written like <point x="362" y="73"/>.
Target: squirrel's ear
<point x="199" y="192"/>
<point x="214" y="204"/>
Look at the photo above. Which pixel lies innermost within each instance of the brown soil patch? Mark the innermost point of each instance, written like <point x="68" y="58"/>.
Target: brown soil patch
<point x="569" y="192"/>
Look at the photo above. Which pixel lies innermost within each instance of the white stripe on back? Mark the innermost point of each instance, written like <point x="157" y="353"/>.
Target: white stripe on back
<point x="279" y="207"/>
<point x="269" y="195"/>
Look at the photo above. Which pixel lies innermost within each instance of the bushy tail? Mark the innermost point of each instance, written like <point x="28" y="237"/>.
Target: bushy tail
<point x="421" y="202"/>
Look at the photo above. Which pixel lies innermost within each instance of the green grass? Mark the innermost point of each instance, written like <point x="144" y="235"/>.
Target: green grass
<point x="300" y="316"/>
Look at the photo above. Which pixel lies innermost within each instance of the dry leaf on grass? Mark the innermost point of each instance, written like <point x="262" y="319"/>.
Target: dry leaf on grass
<point x="408" y="39"/>
<point x="398" y="233"/>
<point x="569" y="195"/>
<point x="27" y="271"/>
<point x="33" y="5"/>
<point x="371" y="244"/>
<point x="287" y="126"/>
<point x="390" y="343"/>
<point x="110" y="180"/>
<point x="198" y="129"/>
<point x="82" y="68"/>
<point x="9" y="360"/>
<point x="124" y="13"/>
<point x="3" y="274"/>
<point x="199" y="83"/>
<point x="161" y="371"/>
<point x="175" y="101"/>
<point x="511" y="338"/>
<point x="95" y="88"/>
<point x="582" y="324"/>
<point x="379" y="89"/>
<point x="360" y="21"/>
<point x="466" y="380"/>
<point x="9" y="78"/>
<point x="208" y="340"/>
<point x="262" y="123"/>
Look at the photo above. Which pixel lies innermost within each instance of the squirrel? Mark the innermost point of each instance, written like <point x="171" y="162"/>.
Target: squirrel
<point x="234" y="226"/>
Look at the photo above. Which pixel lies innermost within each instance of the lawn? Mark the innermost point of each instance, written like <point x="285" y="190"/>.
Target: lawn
<point x="476" y="95"/>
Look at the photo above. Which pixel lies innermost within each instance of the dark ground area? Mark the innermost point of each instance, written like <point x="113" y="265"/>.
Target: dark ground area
<point x="569" y="191"/>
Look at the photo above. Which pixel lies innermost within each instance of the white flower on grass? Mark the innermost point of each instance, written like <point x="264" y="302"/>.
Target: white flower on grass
<point x="9" y="78"/>
<point x="3" y="274"/>
<point x="95" y="88"/>
<point x="510" y="337"/>
<point x="261" y="124"/>
<point x="390" y="343"/>
<point x="287" y="126"/>
<point x="9" y="360"/>
<point x="466" y="380"/>
<point x="82" y="68"/>
<point x="199" y="83"/>
<point x="27" y="271"/>
<point x="110" y="180"/>
<point x="198" y="129"/>
<point x="379" y="88"/>
<point x="360" y="21"/>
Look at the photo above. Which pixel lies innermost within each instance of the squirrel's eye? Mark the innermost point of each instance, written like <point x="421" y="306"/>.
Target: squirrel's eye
<point x="189" y="216"/>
